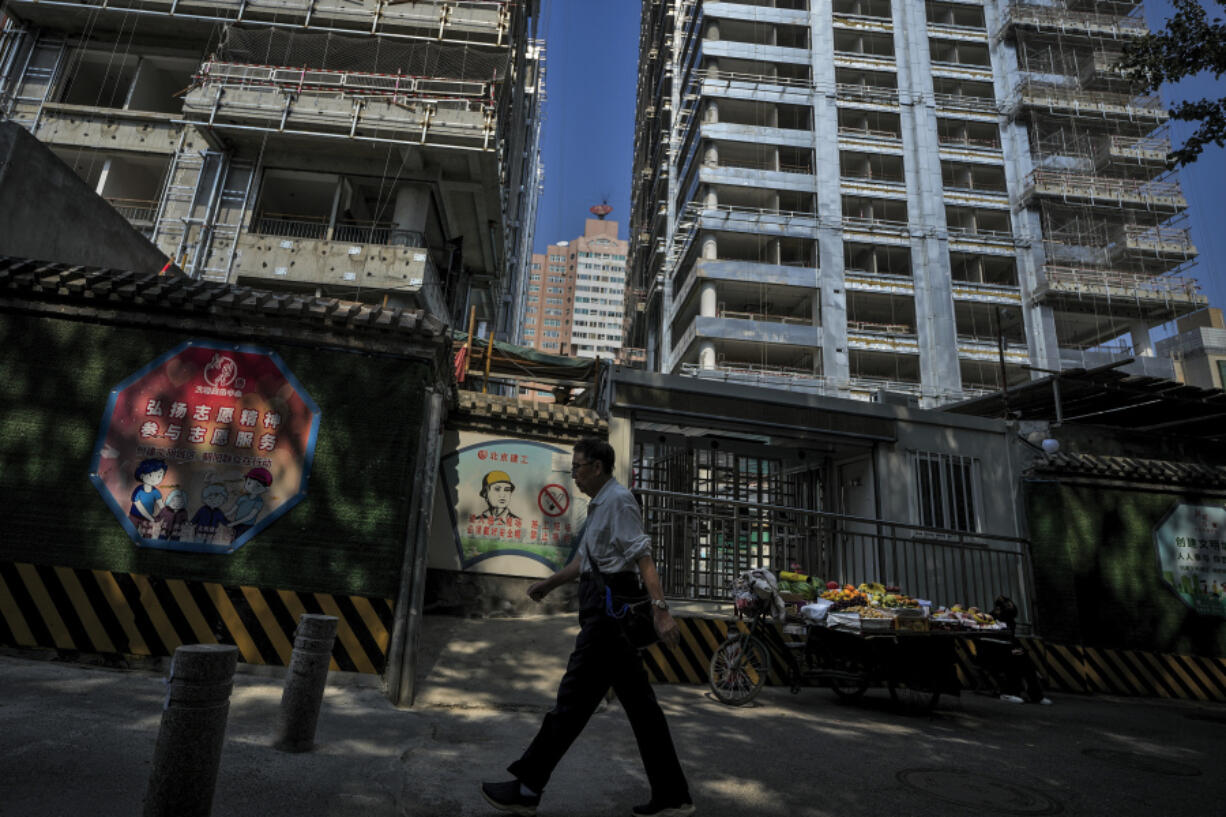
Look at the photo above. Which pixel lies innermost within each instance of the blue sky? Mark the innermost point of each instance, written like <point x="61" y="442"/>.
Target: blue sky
<point x="588" y="139"/>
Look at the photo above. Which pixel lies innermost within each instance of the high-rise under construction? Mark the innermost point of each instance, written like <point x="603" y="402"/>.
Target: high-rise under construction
<point x="369" y="150"/>
<point x="863" y="197"/>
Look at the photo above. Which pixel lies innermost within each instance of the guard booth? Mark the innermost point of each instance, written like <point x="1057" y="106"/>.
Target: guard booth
<point x="733" y="477"/>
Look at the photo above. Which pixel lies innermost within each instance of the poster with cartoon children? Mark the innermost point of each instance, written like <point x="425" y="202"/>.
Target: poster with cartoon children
<point x="205" y="447"/>
<point x="512" y="498"/>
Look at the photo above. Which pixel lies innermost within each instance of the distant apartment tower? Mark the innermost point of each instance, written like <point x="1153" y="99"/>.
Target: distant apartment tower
<point x="372" y="151"/>
<point x="575" y="302"/>
<point x="855" y="196"/>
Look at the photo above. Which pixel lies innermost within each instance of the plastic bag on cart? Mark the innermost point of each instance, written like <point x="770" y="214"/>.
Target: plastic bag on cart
<point x="815" y="613"/>
<point x="756" y="589"/>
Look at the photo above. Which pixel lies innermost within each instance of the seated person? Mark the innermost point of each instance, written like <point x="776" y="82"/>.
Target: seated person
<point x="1006" y="660"/>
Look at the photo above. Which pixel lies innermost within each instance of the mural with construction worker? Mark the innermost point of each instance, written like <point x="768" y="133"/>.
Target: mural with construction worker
<point x="511" y="498"/>
<point x="205" y="447"/>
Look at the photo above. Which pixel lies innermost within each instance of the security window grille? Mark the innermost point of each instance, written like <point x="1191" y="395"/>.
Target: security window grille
<point x="947" y="491"/>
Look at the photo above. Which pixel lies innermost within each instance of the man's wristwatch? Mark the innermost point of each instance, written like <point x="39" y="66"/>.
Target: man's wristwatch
<point x="660" y="603"/>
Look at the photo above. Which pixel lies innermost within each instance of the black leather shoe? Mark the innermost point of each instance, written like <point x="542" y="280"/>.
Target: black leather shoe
<point x="507" y="797"/>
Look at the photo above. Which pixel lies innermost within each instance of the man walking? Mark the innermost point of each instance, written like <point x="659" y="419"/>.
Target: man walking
<point x="613" y="540"/>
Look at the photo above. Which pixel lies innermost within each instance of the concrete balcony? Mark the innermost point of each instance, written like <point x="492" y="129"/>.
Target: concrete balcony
<point x="965" y="197"/>
<point x="755" y="14"/>
<point x="85" y="126"/>
<point x="866" y="336"/>
<point x="781" y="377"/>
<point x="472" y="21"/>
<point x="1162" y="368"/>
<point x="757" y="178"/>
<point x="988" y="350"/>
<point x="955" y="70"/>
<point x="1141" y="150"/>
<point x="878" y="283"/>
<point x="1165" y="197"/>
<point x="949" y="31"/>
<point x="862" y="22"/>
<point x="864" y="62"/>
<point x="755" y="52"/>
<point x="1136" y="242"/>
<point x="986" y="293"/>
<point x="856" y="387"/>
<point x="396" y="271"/>
<point x="870" y="141"/>
<point x="349" y="105"/>
<point x="873" y="188"/>
<point x="963" y="106"/>
<point x="1154" y="298"/>
<point x="866" y="97"/>
<point x="738" y="327"/>
<point x="876" y="231"/>
<point x="970" y="150"/>
<point x="991" y="242"/>
<point x="770" y="277"/>
<point x="753" y="134"/>
<point x="1056" y="99"/>
<point x="762" y="221"/>
<point x="754" y="87"/>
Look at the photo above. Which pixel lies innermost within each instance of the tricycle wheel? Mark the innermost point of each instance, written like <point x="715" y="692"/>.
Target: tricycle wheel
<point x="738" y="670"/>
<point x="849" y="688"/>
<point x="912" y="699"/>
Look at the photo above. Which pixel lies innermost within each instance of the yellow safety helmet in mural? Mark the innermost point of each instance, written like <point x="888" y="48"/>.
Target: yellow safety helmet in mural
<point x="494" y="477"/>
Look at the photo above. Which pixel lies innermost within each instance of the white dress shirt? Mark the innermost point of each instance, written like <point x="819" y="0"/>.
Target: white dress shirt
<point x="613" y="534"/>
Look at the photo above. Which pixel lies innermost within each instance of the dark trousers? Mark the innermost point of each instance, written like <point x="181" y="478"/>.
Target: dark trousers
<point x="1012" y="668"/>
<point x="602" y="658"/>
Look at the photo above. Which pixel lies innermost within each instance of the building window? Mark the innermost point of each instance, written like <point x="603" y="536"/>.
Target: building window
<point x="1221" y="374"/>
<point x="947" y="491"/>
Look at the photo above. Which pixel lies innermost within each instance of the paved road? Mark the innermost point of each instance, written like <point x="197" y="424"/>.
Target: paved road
<point x="78" y="741"/>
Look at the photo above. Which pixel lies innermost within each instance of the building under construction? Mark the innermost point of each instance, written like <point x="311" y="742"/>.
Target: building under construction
<point x="859" y="197"/>
<point x="369" y="150"/>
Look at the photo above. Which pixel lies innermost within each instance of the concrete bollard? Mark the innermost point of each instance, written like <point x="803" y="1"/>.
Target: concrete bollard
<point x="193" y="730"/>
<point x="304" y="685"/>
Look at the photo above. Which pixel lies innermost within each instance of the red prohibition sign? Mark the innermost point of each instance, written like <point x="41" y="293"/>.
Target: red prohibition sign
<point x="553" y="500"/>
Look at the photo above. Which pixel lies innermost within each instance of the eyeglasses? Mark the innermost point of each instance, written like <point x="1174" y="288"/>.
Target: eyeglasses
<point x="575" y="466"/>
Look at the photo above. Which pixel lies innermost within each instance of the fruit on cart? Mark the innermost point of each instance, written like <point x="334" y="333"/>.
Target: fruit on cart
<point x="832" y="585"/>
<point x="867" y="611"/>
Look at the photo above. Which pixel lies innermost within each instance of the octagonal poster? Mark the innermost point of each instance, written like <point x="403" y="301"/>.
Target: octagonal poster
<point x="1191" y="545"/>
<point x="205" y="447"/>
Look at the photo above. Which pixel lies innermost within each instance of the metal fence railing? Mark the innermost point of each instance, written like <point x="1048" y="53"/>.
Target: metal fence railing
<point x="702" y="543"/>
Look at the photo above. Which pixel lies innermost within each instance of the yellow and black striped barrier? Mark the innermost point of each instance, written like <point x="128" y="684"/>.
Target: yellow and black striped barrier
<point x="1067" y="668"/>
<point x="98" y="611"/>
<point x="108" y="613"/>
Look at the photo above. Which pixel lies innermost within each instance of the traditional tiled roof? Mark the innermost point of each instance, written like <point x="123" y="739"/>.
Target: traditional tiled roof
<point x="177" y="302"/>
<point x="495" y="412"/>
<point x="1130" y="469"/>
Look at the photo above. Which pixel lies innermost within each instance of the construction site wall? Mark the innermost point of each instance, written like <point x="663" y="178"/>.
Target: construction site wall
<point x="1098" y="580"/>
<point x="71" y="577"/>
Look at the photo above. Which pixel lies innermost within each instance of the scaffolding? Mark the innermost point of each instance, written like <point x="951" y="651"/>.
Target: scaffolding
<point x="1112" y="238"/>
<point x="472" y="22"/>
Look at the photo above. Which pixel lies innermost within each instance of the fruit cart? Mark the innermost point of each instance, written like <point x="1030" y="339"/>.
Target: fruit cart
<point x="905" y="650"/>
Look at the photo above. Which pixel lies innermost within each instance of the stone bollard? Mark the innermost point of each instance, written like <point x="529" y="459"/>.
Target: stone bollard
<point x="304" y="685"/>
<point x="188" y="750"/>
